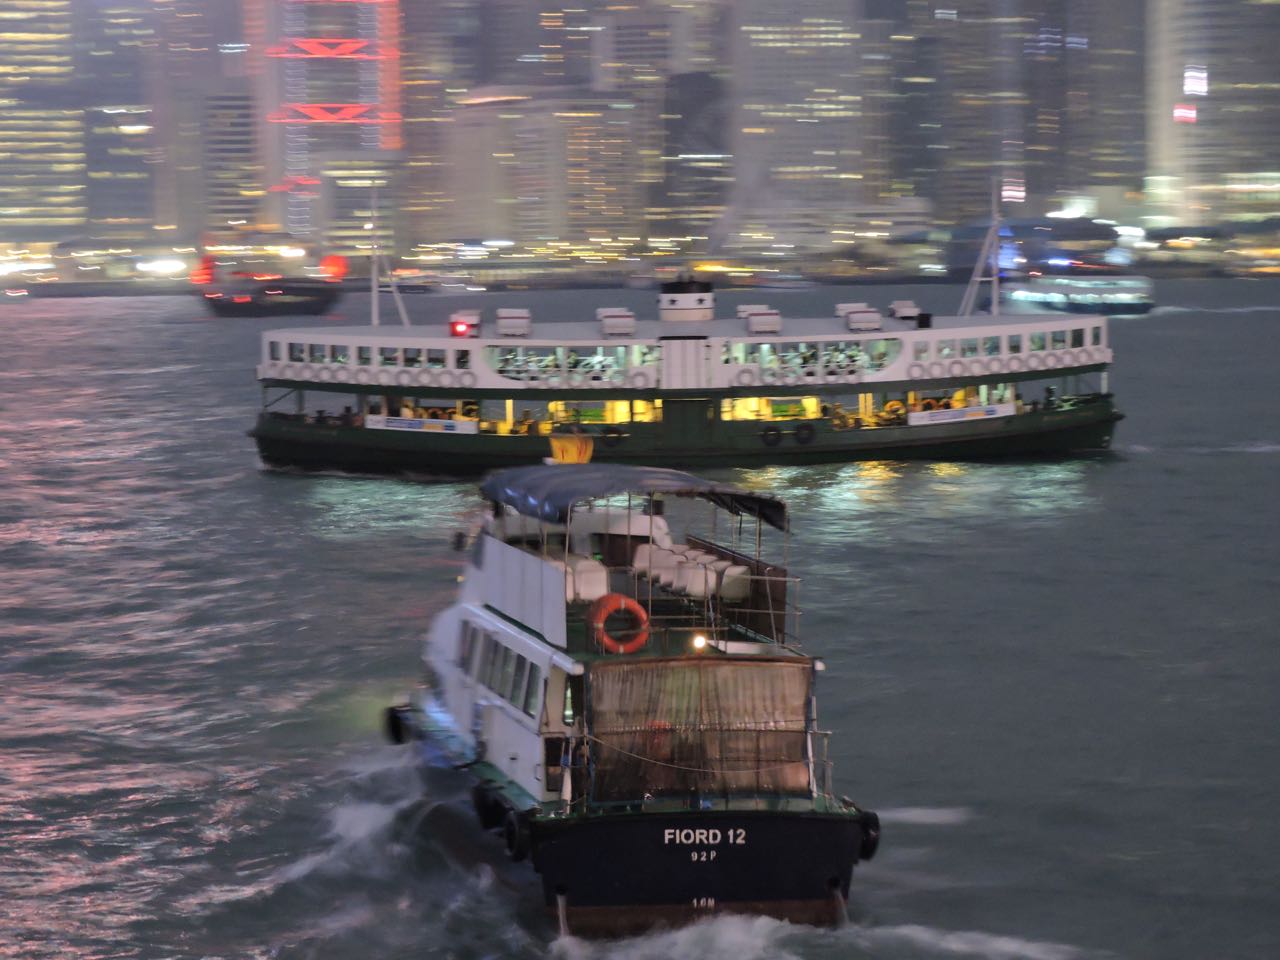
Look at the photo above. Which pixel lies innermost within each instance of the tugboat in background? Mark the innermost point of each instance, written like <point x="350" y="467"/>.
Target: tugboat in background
<point x="265" y="277"/>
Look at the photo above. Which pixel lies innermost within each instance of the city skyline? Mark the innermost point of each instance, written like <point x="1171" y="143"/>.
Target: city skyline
<point x="657" y="124"/>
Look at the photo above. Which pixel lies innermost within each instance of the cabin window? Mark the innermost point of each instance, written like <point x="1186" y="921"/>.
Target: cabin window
<point x="1096" y="336"/>
<point x="297" y="353"/>
<point x="465" y="646"/>
<point x="1077" y="337"/>
<point x="317" y="353"/>
<point x="920" y="350"/>
<point x="572" y="700"/>
<point x="462" y="359"/>
<point x="412" y="357"/>
<point x="388" y="356"/>
<point x="991" y="346"/>
<point x="531" y="689"/>
<point x="946" y="349"/>
<point x="364" y="356"/>
<point x="1036" y="341"/>
<point x="969" y="347"/>
<point x="486" y="658"/>
<point x="502" y="677"/>
<point x="1015" y="343"/>
<point x="338" y="353"/>
<point x="435" y="358"/>
<point x="515" y="692"/>
<point x="1059" y="339"/>
<point x="273" y="349"/>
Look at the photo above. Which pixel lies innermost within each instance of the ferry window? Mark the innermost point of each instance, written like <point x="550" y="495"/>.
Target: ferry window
<point x="462" y="359"/>
<point x="1059" y="339"/>
<point x="503" y="687"/>
<point x="465" y="645"/>
<point x="435" y="358"/>
<point x="969" y="347"/>
<point x="486" y="658"/>
<point x="338" y="353"/>
<point x="1015" y="343"/>
<point x="317" y="353"/>
<point x="946" y="348"/>
<point x="883" y="352"/>
<point x="572" y="698"/>
<point x="273" y="349"/>
<point x="1096" y="336"/>
<point x="412" y="357"/>
<point x="1037" y="341"/>
<point x="920" y="350"/>
<point x="991" y="346"/>
<point x="297" y="352"/>
<point x="515" y="692"/>
<point x="1077" y="337"/>
<point x="364" y="356"/>
<point x="496" y="666"/>
<point x="388" y="356"/>
<point x="531" y="689"/>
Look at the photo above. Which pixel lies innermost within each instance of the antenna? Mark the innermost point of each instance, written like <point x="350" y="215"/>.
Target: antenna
<point x="376" y="264"/>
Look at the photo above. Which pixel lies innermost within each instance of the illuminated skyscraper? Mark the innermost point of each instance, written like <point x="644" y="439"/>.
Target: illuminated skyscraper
<point x="535" y="165"/>
<point x="796" y="130"/>
<point x="697" y="165"/>
<point x="331" y="91"/>
<point x="1214" y="111"/>
<point x="42" y="127"/>
<point x="232" y="161"/>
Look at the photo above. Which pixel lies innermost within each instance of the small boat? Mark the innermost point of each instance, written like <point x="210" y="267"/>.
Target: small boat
<point x="1096" y="292"/>
<point x="264" y="283"/>
<point x="621" y="680"/>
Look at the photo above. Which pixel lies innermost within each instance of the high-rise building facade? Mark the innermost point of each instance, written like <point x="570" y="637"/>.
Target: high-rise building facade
<point x="1214" y="111"/>
<point x="43" y="193"/>
<point x="331" y="94"/>
<point x="796" y="147"/>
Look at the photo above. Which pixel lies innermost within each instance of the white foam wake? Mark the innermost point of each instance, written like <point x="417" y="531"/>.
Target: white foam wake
<point x="965" y="943"/>
<point x="926" y="816"/>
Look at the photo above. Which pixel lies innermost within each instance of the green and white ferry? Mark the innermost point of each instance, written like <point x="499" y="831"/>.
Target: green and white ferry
<point x="685" y="388"/>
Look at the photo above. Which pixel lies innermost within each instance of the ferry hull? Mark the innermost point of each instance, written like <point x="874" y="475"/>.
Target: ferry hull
<point x="292" y="443"/>
<point x="669" y="869"/>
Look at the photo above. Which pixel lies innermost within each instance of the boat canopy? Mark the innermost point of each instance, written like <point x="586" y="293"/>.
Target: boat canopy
<point x="549" y="491"/>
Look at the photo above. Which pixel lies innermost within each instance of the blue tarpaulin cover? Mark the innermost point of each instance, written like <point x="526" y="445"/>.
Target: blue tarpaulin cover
<point x="549" y="491"/>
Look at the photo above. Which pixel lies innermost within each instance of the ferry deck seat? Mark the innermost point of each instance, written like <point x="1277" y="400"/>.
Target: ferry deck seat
<point x="735" y="583"/>
<point x="514" y="322"/>
<point x="586" y="578"/>
<point x="769" y="321"/>
<point x="904" y="309"/>
<point x="616" y="322"/>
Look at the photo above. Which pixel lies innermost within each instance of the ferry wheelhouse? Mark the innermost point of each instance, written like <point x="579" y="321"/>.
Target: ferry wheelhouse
<point x="621" y="677"/>
<point x="685" y="389"/>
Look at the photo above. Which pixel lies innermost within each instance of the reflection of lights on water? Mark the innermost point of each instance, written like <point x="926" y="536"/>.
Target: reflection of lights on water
<point x="344" y="507"/>
<point x="948" y="470"/>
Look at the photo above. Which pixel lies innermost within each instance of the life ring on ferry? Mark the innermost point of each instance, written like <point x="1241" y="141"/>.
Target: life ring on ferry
<point x="995" y="365"/>
<point x="895" y="408"/>
<point x="944" y="404"/>
<point x="637" y="379"/>
<point x="445" y="379"/>
<point x="771" y="436"/>
<point x="466" y="379"/>
<point x="324" y="374"/>
<point x="804" y="433"/>
<point x="386" y="377"/>
<point x="956" y="368"/>
<point x="1052" y="360"/>
<point x="928" y="403"/>
<point x="916" y="371"/>
<point x="746" y="377"/>
<point x="1084" y="356"/>
<point x="1017" y="364"/>
<point x="606" y="607"/>
<point x="1035" y="361"/>
<point x="364" y="377"/>
<point x="435" y="413"/>
<point x="790" y="377"/>
<point x="978" y="367"/>
<point x="575" y="378"/>
<point x="937" y="370"/>
<point x="342" y="375"/>
<point x="425" y="379"/>
<point x="404" y="378"/>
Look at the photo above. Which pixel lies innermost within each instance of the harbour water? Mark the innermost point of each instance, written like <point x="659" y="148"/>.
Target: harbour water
<point x="1057" y="682"/>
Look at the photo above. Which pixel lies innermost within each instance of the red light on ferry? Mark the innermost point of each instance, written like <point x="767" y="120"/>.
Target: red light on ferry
<point x="203" y="274"/>
<point x="334" y="265"/>
<point x="461" y="329"/>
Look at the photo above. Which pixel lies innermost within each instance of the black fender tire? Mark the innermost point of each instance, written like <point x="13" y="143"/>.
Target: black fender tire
<point x="804" y="433"/>
<point x="612" y="436"/>
<point x="515" y="834"/>
<point x="487" y="806"/>
<point x="771" y="436"/>
<point x="870" y="835"/>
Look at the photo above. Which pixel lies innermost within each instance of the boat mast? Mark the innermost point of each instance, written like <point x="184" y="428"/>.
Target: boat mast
<point x="375" y="266"/>
<point x="988" y="257"/>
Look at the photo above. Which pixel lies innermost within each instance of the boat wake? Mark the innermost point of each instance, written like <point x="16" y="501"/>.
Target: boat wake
<point x="762" y="938"/>
<point x="1247" y="447"/>
<point x="927" y="816"/>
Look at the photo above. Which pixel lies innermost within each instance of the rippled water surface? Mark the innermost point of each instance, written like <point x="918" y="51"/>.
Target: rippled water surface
<point x="1056" y="682"/>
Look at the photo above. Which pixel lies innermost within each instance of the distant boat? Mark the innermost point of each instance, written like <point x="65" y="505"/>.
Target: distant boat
<point x="1107" y="294"/>
<point x="251" y="284"/>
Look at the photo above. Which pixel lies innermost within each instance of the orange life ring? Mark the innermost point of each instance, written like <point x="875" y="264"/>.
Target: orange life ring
<point x="604" y="608"/>
<point x="895" y="408"/>
<point x="928" y="404"/>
